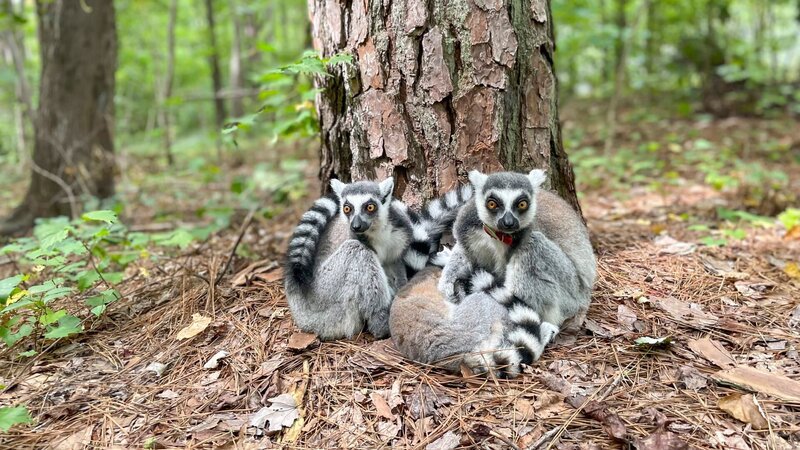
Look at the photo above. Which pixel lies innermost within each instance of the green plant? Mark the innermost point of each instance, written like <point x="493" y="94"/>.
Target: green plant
<point x="13" y="415"/>
<point x="82" y="259"/>
<point x="287" y="96"/>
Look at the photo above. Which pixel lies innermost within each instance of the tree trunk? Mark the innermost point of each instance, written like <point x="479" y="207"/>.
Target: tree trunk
<point x="168" y="81"/>
<point x="236" y="71"/>
<point x="73" y="149"/>
<point x="15" y="54"/>
<point x="213" y="60"/>
<point x="437" y="89"/>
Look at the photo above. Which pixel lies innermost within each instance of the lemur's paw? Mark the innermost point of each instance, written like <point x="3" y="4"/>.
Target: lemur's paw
<point x="548" y="332"/>
<point x="442" y="258"/>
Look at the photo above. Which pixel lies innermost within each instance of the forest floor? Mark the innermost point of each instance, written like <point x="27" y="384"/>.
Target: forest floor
<point x="688" y="249"/>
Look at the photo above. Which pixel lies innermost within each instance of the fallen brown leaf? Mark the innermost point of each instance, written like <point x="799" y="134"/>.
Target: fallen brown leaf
<point x="76" y="441"/>
<point x="713" y="351"/>
<point x="301" y="341"/>
<point x="744" y="408"/>
<point x="792" y="233"/>
<point x="661" y="440"/>
<point x="382" y="407"/>
<point x="684" y="312"/>
<point x="199" y="323"/>
<point x="722" y="269"/>
<point x="757" y="380"/>
<point x="753" y="290"/>
<point x="692" y="378"/>
<point x="448" y="441"/>
<point x="626" y="317"/>
<point x="670" y="246"/>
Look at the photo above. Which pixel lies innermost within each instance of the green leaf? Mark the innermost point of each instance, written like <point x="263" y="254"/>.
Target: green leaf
<point x="647" y="341"/>
<point x="14" y="415"/>
<point x="102" y="299"/>
<point x="52" y="239"/>
<point x="57" y="293"/>
<point x="8" y="285"/>
<point x="12" y="338"/>
<point x="87" y="279"/>
<point x="713" y="241"/>
<point x="178" y="238"/>
<point x="46" y="286"/>
<point x="28" y="354"/>
<point x="105" y="215"/>
<point x="52" y="317"/>
<point x="67" y="325"/>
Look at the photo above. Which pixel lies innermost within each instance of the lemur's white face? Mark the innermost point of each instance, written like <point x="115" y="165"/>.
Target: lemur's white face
<point x="506" y="201"/>
<point x="365" y="204"/>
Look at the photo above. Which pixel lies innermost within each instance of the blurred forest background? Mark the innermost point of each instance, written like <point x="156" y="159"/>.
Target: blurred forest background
<point x="636" y="60"/>
<point x="680" y="117"/>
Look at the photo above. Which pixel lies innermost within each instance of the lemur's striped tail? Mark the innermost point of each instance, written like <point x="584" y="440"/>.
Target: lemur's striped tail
<point x="304" y="244"/>
<point x="428" y="226"/>
<point x="525" y="337"/>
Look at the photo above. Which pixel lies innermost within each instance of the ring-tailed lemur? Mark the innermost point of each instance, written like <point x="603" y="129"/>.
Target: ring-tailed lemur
<point x="353" y="249"/>
<point x="530" y="251"/>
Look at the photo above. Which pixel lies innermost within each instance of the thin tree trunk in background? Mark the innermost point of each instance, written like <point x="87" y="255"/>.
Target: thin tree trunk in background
<point x="236" y="71"/>
<point x="620" y="48"/>
<point x="14" y="44"/>
<point x="650" y="42"/>
<point x="438" y="88"/>
<point x="73" y="152"/>
<point x="168" y="81"/>
<point x="213" y="60"/>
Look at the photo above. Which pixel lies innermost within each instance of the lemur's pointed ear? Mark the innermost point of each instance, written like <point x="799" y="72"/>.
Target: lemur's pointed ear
<point x="337" y="187"/>
<point x="477" y="179"/>
<point x="387" y="187"/>
<point x="537" y="177"/>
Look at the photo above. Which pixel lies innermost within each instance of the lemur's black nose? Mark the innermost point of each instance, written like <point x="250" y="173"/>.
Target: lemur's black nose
<point x="358" y="225"/>
<point x="508" y="221"/>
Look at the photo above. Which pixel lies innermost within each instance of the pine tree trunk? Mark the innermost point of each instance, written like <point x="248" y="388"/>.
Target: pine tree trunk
<point x="73" y="150"/>
<point x="437" y="89"/>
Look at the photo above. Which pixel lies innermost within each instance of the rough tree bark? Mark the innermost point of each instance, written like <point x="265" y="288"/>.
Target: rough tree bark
<point x="437" y="89"/>
<point x="73" y="149"/>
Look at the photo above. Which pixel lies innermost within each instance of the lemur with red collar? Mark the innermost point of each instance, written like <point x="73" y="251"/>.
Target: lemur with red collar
<point x="528" y="250"/>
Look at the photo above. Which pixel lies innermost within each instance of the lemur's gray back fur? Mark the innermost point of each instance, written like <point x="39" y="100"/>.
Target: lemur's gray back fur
<point x="543" y="274"/>
<point x="352" y="250"/>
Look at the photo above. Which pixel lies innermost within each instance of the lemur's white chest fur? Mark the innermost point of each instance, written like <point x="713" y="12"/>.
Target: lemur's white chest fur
<point x="489" y="253"/>
<point x="388" y="242"/>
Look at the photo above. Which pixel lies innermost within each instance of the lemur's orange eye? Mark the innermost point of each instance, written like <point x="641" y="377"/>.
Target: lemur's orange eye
<point x="347" y="209"/>
<point x="523" y="205"/>
<point x="491" y="204"/>
<point x="371" y="207"/>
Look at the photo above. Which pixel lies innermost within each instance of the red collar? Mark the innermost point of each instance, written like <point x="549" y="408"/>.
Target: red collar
<point x="505" y="238"/>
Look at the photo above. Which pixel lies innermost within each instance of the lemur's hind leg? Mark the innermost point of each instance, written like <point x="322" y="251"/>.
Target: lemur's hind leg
<point x="354" y="278"/>
<point x="546" y="280"/>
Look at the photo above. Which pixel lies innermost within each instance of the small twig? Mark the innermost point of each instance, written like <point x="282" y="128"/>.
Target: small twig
<point x="507" y="441"/>
<point x="545" y="437"/>
<point x="247" y="221"/>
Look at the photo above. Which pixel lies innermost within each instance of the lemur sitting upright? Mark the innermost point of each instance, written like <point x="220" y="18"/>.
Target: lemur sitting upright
<point x="353" y="249"/>
<point x="517" y="246"/>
